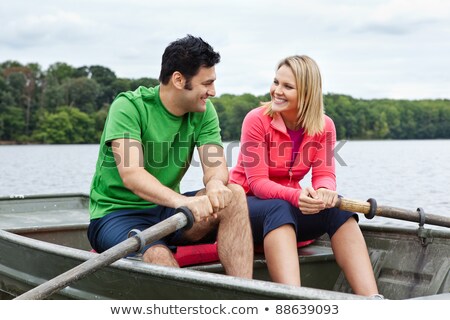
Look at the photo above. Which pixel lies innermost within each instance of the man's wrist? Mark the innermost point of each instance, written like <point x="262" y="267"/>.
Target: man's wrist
<point x="215" y="180"/>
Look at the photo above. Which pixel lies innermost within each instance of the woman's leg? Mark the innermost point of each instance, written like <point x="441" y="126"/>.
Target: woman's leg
<point x="280" y="249"/>
<point x="274" y="226"/>
<point x="351" y="254"/>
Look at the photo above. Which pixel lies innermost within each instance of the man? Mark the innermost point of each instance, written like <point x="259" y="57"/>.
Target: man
<point x="146" y="147"/>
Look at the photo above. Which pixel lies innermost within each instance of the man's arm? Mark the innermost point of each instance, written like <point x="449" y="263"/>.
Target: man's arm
<point x="129" y="159"/>
<point x="130" y="163"/>
<point x="215" y="175"/>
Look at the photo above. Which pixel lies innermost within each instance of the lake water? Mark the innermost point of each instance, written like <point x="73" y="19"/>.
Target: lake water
<point x="405" y="174"/>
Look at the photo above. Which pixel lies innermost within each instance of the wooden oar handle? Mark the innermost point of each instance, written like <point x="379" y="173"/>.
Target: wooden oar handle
<point x="368" y="208"/>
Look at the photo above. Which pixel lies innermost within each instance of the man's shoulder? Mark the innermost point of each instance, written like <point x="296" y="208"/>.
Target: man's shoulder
<point x="136" y="100"/>
<point x="140" y="93"/>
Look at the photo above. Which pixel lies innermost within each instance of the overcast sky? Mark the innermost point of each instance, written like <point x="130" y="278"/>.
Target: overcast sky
<point x="365" y="48"/>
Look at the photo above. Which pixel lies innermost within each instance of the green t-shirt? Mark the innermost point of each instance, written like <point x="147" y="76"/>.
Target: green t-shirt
<point x="167" y="141"/>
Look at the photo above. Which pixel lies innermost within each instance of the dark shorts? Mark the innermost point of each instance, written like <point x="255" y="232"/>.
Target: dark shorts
<point x="270" y="214"/>
<point x="113" y="228"/>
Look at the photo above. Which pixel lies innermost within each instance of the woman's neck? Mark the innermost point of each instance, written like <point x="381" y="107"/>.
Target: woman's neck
<point x="291" y="124"/>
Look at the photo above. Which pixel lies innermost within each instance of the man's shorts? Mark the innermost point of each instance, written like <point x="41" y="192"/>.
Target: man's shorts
<point x="110" y="230"/>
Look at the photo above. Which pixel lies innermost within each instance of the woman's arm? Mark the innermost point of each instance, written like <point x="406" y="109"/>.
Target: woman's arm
<point x="255" y="161"/>
<point x="323" y="165"/>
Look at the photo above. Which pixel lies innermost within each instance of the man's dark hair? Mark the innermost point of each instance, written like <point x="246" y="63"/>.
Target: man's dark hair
<point x="187" y="55"/>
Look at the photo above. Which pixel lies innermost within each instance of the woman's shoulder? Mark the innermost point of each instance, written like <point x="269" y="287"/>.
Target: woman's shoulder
<point x="258" y="113"/>
<point x="329" y="123"/>
<point x="258" y="110"/>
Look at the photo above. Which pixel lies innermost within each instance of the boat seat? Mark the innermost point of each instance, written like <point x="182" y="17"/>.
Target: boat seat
<point x="44" y="220"/>
<point x="19" y="215"/>
<point x="317" y="252"/>
<point x="207" y="253"/>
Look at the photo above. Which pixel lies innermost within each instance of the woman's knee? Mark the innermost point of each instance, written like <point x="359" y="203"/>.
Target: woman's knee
<point x="338" y="218"/>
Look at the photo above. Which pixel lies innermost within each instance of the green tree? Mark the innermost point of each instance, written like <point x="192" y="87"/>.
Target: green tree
<point x="61" y="71"/>
<point x="66" y="125"/>
<point x="105" y="77"/>
<point x="99" y="122"/>
<point x="53" y="94"/>
<point x="12" y="124"/>
<point x="22" y="82"/>
<point x="82" y="93"/>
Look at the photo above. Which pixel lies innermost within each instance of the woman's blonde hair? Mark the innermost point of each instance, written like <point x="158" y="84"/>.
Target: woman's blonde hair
<point x="309" y="91"/>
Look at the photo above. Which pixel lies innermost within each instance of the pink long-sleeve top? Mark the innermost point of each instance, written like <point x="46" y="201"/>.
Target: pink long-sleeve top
<point x="265" y="167"/>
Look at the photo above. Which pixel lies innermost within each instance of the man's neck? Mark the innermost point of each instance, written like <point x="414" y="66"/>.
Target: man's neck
<point x="169" y="101"/>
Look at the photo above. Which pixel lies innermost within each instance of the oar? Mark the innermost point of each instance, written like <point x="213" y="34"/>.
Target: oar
<point x="371" y="209"/>
<point x="182" y="219"/>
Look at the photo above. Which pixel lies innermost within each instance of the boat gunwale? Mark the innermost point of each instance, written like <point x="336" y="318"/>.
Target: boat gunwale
<point x="43" y="196"/>
<point x="407" y="229"/>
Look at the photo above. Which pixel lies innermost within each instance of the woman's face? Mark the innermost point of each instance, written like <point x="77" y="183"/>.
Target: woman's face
<point x="284" y="93"/>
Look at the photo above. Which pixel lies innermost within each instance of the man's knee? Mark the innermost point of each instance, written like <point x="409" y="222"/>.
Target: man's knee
<point x="161" y="255"/>
<point x="238" y="193"/>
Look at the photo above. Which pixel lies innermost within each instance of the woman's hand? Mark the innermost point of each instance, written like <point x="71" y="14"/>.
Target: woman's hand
<point x="310" y="202"/>
<point x="329" y="197"/>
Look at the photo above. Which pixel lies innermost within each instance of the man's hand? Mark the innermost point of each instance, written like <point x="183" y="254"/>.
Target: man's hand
<point x="200" y="207"/>
<point x="218" y="194"/>
<point x="215" y="176"/>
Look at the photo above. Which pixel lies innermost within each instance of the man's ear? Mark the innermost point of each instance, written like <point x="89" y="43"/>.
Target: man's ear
<point x="178" y="80"/>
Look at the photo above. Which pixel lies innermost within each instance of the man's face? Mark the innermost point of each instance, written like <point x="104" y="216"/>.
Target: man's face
<point x="201" y="87"/>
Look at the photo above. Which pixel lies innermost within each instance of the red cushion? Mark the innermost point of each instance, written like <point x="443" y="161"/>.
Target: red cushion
<point x="204" y="253"/>
<point x="196" y="254"/>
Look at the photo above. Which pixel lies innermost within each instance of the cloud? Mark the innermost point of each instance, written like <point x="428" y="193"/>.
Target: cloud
<point x="395" y="28"/>
<point x="403" y="17"/>
<point x="47" y="30"/>
<point x="362" y="47"/>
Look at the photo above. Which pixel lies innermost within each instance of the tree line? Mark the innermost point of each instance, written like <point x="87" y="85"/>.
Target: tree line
<point x="66" y="104"/>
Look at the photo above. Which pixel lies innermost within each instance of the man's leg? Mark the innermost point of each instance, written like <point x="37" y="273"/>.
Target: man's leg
<point x="234" y="236"/>
<point x="112" y="229"/>
<point x="160" y="255"/>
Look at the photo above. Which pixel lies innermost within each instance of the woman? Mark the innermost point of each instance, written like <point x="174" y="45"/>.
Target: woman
<point x="281" y="141"/>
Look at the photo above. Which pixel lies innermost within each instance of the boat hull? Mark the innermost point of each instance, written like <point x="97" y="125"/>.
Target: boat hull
<point x="42" y="237"/>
